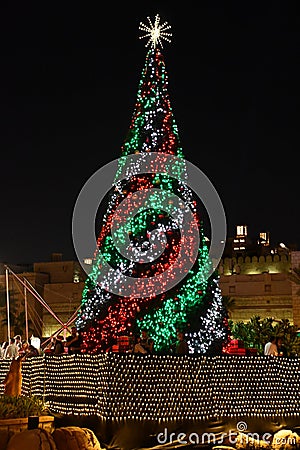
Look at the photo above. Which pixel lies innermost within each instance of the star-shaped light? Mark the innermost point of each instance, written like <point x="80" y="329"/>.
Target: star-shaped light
<point x="155" y="32"/>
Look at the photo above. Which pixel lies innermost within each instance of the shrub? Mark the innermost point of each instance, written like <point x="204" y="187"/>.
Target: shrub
<point x="21" y="406"/>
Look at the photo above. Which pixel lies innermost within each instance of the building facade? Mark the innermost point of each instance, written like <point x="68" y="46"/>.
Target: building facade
<point x="53" y="294"/>
<point x="261" y="286"/>
<point x="62" y="292"/>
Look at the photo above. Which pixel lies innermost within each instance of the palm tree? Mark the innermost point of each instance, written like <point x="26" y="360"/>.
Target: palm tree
<point x="289" y="335"/>
<point x="239" y="330"/>
<point x="257" y="332"/>
<point x="260" y="331"/>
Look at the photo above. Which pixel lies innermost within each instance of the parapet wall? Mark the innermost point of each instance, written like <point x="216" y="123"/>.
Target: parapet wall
<point x="255" y="265"/>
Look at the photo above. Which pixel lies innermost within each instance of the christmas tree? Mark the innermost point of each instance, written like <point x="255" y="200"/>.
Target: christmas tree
<point x="166" y="263"/>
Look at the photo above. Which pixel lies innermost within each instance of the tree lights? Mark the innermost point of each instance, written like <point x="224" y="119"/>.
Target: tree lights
<point x="151" y="235"/>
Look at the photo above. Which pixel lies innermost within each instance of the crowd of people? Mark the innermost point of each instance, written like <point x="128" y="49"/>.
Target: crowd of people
<point x="16" y="348"/>
<point x="71" y="345"/>
<point x="142" y="345"/>
<point x="57" y="345"/>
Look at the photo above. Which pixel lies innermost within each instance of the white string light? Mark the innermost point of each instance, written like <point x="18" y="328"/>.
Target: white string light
<point x="155" y="32"/>
<point x="123" y="386"/>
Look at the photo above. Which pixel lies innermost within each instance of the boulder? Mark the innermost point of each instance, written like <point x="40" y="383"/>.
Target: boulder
<point x="245" y="441"/>
<point x="75" y="438"/>
<point x="5" y="436"/>
<point x="285" y="440"/>
<point x="37" y="439"/>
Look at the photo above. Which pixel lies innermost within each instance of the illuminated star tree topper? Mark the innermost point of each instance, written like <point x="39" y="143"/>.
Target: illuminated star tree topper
<point x="155" y="32"/>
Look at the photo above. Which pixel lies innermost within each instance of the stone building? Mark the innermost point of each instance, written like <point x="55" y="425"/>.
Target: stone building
<point x="61" y="292"/>
<point x="53" y="293"/>
<point x="261" y="286"/>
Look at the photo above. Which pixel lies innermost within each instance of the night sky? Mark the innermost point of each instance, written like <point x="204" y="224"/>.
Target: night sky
<point x="69" y="79"/>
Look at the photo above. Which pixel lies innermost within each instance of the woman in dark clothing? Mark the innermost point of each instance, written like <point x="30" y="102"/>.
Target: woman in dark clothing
<point x="281" y="349"/>
<point x="182" y="347"/>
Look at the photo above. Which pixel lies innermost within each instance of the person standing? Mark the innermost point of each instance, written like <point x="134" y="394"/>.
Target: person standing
<point x="57" y="346"/>
<point x="31" y="351"/>
<point x="281" y="349"/>
<point x="138" y="348"/>
<point x="18" y="341"/>
<point x="73" y="342"/>
<point x="11" y="350"/>
<point x="270" y="347"/>
<point x="182" y="347"/>
<point x="24" y="349"/>
<point x="146" y="341"/>
<point x="144" y="344"/>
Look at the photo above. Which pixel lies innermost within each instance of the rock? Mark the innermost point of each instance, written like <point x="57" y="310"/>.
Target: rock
<point x="223" y="447"/>
<point x="37" y="439"/>
<point x="245" y="441"/>
<point x="285" y="440"/>
<point x="5" y="436"/>
<point x="75" y="438"/>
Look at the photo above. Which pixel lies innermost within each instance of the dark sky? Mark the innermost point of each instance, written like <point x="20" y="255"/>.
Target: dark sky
<point x="68" y="84"/>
